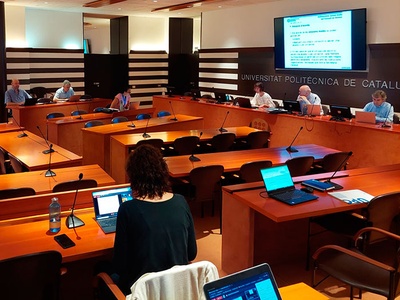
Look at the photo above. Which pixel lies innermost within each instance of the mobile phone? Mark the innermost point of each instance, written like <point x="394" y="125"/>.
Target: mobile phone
<point x="64" y="241"/>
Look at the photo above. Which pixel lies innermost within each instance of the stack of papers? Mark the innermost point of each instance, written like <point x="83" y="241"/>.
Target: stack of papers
<point x="352" y="196"/>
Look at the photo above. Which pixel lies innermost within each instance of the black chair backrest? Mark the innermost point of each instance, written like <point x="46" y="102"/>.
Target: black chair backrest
<point x="206" y="181"/>
<point x="38" y="92"/>
<point x="93" y="123"/>
<point x="223" y="142"/>
<point x="258" y="139"/>
<point x="17" y="165"/>
<point x="32" y="276"/>
<point x="299" y="166"/>
<point x="119" y="119"/>
<point x="18" y="192"/>
<point x="163" y="113"/>
<point x="157" y="143"/>
<point x="332" y="161"/>
<point x="143" y="116"/>
<point x="74" y="185"/>
<point x="3" y="157"/>
<point x="250" y="172"/>
<point x="98" y="109"/>
<point x="78" y="112"/>
<point x="55" y="115"/>
<point x="186" y="144"/>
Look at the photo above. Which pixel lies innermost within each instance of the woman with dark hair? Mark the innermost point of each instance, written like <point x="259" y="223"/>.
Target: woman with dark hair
<point x="122" y="101"/>
<point x="261" y="98"/>
<point x="155" y="230"/>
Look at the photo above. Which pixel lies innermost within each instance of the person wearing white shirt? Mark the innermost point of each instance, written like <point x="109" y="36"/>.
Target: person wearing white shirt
<point x="306" y="97"/>
<point x="261" y="98"/>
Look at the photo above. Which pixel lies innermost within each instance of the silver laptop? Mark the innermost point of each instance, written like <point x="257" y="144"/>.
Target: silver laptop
<point x="279" y="185"/>
<point x="106" y="204"/>
<point x="313" y="109"/>
<point x="365" y="117"/>
<point x="255" y="283"/>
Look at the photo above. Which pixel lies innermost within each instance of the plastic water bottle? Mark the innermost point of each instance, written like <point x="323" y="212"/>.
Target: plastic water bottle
<point x="54" y="215"/>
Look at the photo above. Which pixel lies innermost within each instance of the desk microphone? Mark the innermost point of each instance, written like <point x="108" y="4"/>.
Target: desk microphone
<point x="284" y="97"/>
<point x="47" y="151"/>
<point x="23" y="134"/>
<point x="132" y="125"/>
<point x="145" y="134"/>
<point x="174" y="118"/>
<point x="338" y="186"/>
<point x="192" y="157"/>
<point x="222" y="129"/>
<point x="290" y="148"/>
<point x="384" y="125"/>
<point x="79" y="113"/>
<point x="49" y="172"/>
<point x="73" y="221"/>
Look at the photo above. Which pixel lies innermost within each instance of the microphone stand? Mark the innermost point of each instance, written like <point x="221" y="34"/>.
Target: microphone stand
<point x="79" y="114"/>
<point x="73" y="221"/>
<point x="49" y="172"/>
<point x="335" y="185"/>
<point x="290" y="148"/>
<point x="193" y="158"/>
<point x="145" y="134"/>
<point x="47" y="142"/>
<point x="174" y="118"/>
<point x="384" y="125"/>
<point x="222" y="129"/>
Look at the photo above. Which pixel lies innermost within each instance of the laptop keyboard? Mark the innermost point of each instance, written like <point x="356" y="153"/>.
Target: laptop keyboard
<point x="291" y="195"/>
<point x="111" y="222"/>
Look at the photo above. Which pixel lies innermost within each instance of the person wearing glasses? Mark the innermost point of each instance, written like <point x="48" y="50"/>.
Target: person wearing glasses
<point x="383" y="110"/>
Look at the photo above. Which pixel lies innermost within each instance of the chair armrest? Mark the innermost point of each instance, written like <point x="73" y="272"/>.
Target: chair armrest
<point x="382" y="231"/>
<point x="106" y="279"/>
<point x="353" y="254"/>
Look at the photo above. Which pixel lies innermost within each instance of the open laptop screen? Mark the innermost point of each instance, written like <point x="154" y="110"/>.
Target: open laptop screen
<point x="276" y="178"/>
<point x="106" y="203"/>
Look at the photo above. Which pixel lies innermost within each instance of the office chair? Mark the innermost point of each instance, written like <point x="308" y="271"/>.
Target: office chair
<point x="186" y="145"/>
<point x="258" y="139"/>
<point x="250" y="171"/>
<point x="143" y="116"/>
<point x="163" y="113"/>
<point x="78" y="112"/>
<point x="331" y="162"/>
<point x="17" y="192"/>
<point x="119" y="120"/>
<point x="17" y="165"/>
<point x="38" y="92"/>
<point x="74" y="185"/>
<point x="3" y="158"/>
<point x="31" y="276"/>
<point x="300" y="166"/>
<point x="370" y="266"/>
<point x="157" y="143"/>
<point x="222" y="142"/>
<point x="93" y="123"/>
<point x="98" y="109"/>
<point x="54" y="115"/>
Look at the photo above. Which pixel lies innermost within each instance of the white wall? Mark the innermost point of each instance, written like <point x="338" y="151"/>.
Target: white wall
<point x="15" y="26"/>
<point x="253" y="25"/>
<point x="146" y="33"/>
<point x="99" y="38"/>
<point x="196" y="33"/>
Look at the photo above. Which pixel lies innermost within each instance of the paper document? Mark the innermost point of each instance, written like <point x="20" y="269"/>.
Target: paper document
<point x="352" y="196"/>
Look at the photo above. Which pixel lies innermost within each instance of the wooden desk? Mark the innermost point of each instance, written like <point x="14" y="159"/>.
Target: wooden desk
<point x="32" y="116"/>
<point x="96" y="140"/>
<point x="121" y="145"/>
<point x="180" y="166"/>
<point x="7" y="127"/>
<point x="365" y="140"/>
<point x="66" y="131"/>
<point x="43" y="185"/>
<point x="300" y="291"/>
<point x="267" y="230"/>
<point x="29" y="150"/>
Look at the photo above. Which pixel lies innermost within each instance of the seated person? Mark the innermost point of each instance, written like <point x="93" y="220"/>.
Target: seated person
<point x="261" y="98"/>
<point x="64" y="92"/>
<point x="306" y="97"/>
<point x="15" y="94"/>
<point x="122" y="101"/>
<point x="155" y="230"/>
<point x="383" y="110"/>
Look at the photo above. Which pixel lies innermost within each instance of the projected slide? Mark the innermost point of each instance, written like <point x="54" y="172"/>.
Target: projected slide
<point x="320" y="41"/>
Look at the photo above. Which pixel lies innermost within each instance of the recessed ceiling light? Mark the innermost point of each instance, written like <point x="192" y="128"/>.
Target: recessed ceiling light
<point x="155" y="1"/>
<point x="46" y="2"/>
<point x="219" y="6"/>
<point x="119" y="8"/>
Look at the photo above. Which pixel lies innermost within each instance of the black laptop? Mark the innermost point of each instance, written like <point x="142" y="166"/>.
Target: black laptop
<point x="243" y="102"/>
<point x="255" y="283"/>
<point x="30" y="101"/>
<point x="220" y="97"/>
<point x="279" y="185"/>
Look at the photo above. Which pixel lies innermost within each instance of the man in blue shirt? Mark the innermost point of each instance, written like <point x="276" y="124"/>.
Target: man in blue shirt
<point x="383" y="110"/>
<point x="306" y="97"/>
<point x="15" y="94"/>
<point x="65" y="92"/>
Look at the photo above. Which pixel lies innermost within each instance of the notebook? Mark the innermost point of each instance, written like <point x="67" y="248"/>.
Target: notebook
<point x="255" y="283"/>
<point x="279" y="185"/>
<point x="365" y="117"/>
<point x="313" y="109"/>
<point x="106" y="204"/>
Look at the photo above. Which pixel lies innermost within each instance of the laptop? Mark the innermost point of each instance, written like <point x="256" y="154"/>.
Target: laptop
<point x="365" y="117"/>
<point x="255" y="283"/>
<point x="74" y="98"/>
<point x="220" y="97"/>
<point x="313" y="109"/>
<point x="106" y="204"/>
<point x="196" y="94"/>
<point x="279" y="185"/>
<point x="243" y="102"/>
<point x="30" y="101"/>
<point x="292" y="106"/>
